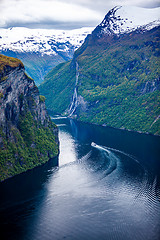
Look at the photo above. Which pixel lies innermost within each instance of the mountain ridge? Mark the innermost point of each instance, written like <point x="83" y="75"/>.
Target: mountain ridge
<point x="124" y="19"/>
<point x="118" y="81"/>
<point x="42" y="41"/>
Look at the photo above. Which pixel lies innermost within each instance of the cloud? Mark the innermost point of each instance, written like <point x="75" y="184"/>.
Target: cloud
<point x="40" y="12"/>
<point x="60" y="13"/>
<point x="103" y="5"/>
<point x="139" y="3"/>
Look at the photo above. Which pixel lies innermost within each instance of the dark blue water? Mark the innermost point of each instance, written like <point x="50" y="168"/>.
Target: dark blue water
<point x="110" y="190"/>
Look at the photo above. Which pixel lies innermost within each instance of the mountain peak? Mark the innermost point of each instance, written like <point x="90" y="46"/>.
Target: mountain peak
<point x="125" y="19"/>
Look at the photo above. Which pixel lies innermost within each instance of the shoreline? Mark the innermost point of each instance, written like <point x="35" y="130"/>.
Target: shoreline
<point x="103" y="125"/>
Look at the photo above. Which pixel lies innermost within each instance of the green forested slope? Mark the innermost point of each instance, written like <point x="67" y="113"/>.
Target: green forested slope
<point x="119" y="80"/>
<point x="58" y="87"/>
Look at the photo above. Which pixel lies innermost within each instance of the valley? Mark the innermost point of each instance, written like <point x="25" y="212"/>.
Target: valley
<point x="80" y="123"/>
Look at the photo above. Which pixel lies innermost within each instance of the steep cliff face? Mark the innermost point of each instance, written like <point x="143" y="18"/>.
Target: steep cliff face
<point x="27" y="136"/>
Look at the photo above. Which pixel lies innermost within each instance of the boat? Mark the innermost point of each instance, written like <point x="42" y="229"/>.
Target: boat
<point x="93" y="144"/>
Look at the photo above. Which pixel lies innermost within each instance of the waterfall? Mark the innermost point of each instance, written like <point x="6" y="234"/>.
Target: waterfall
<point x="77" y="73"/>
<point x="74" y="102"/>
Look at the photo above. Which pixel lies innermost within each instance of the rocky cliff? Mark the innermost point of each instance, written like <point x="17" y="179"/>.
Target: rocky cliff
<point x="28" y="138"/>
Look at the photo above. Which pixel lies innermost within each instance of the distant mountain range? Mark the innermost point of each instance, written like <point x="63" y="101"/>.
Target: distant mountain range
<point x="41" y="49"/>
<point x="114" y="77"/>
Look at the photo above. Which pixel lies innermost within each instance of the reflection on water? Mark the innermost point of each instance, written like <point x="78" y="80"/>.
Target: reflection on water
<point x="106" y="190"/>
<point x="66" y="142"/>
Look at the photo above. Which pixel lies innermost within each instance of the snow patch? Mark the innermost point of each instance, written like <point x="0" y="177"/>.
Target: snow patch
<point x="45" y="41"/>
<point x="125" y="19"/>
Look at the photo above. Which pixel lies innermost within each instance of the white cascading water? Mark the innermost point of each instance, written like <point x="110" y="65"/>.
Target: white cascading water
<point x="74" y="103"/>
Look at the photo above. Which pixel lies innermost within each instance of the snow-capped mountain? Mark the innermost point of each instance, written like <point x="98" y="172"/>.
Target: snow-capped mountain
<point x="125" y="19"/>
<point x="43" y="41"/>
<point x="41" y="49"/>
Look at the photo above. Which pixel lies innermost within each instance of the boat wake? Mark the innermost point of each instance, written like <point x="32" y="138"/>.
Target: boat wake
<point x="146" y="186"/>
<point x="114" y="150"/>
<point x="109" y="161"/>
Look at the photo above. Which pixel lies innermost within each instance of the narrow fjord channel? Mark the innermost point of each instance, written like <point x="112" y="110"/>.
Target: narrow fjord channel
<point x="107" y="186"/>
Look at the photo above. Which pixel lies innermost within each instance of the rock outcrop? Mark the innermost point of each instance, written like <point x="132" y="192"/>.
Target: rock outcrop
<point x="28" y="138"/>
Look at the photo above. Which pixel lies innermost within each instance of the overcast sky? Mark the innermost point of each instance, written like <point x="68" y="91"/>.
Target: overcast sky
<point x="60" y="14"/>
